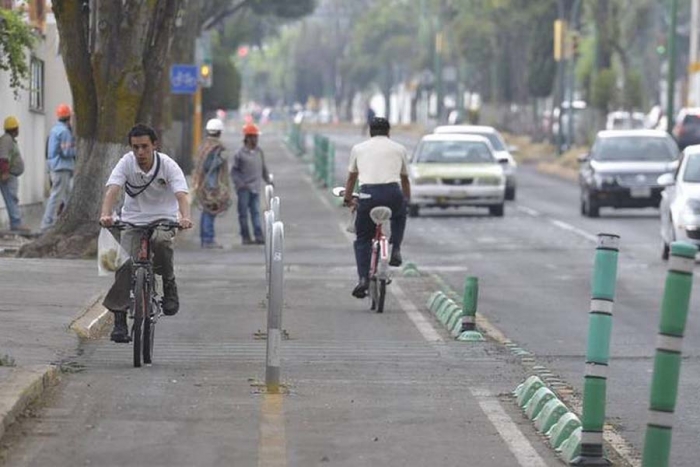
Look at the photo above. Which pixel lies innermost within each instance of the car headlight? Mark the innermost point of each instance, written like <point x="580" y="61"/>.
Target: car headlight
<point x="488" y="181"/>
<point x="691" y="213"/>
<point x="425" y="181"/>
<point x="602" y="180"/>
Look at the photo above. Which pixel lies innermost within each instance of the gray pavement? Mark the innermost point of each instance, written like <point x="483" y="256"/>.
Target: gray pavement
<point x="363" y="389"/>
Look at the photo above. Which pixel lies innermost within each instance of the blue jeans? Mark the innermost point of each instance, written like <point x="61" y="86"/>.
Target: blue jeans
<point x="206" y="228"/>
<point x="249" y="201"/>
<point x="391" y="196"/>
<point x="9" y="189"/>
<point x="61" y="182"/>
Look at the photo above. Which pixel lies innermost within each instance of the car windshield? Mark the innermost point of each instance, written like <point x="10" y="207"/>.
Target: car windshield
<point x="454" y="152"/>
<point x="634" y="148"/>
<point x="493" y="139"/>
<point x="692" y="169"/>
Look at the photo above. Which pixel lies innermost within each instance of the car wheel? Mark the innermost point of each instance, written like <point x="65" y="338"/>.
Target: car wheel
<point x="584" y="212"/>
<point x="496" y="211"/>
<point x="413" y="210"/>
<point x="665" y="251"/>
<point x="592" y="209"/>
<point x="510" y="193"/>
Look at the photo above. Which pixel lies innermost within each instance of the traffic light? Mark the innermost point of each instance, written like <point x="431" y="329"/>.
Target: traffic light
<point x="575" y="38"/>
<point x="205" y="74"/>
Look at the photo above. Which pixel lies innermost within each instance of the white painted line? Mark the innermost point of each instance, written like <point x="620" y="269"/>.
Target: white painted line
<point x="516" y="441"/>
<point x="575" y="230"/>
<point x="528" y="211"/>
<point x="423" y="325"/>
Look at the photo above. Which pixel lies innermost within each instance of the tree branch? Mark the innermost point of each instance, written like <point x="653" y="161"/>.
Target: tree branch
<point x="216" y="19"/>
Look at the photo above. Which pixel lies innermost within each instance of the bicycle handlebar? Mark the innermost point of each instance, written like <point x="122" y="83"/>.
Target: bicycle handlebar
<point x="159" y="224"/>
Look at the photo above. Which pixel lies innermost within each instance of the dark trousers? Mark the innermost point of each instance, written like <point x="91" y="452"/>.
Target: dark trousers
<point x="249" y="202"/>
<point x="391" y="196"/>
<point x="117" y="299"/>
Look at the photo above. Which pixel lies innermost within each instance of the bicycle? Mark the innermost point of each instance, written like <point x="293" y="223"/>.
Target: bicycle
<point x="379" y="276"/>
<point x="146" y="289"/>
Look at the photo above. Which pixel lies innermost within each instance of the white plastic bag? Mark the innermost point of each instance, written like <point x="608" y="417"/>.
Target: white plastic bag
<point x="110" y="254"/>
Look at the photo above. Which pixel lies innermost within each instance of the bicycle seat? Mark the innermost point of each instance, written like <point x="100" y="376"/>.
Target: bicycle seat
<point x="380" y="214"/>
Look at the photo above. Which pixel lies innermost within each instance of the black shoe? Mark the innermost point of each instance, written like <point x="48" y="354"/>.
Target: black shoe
<point x="171" y="302"/>
<point x="120" y="333"/>
<point x="360" y="290"/>
<point x="259" y="241"/>
<point x="395" y="259"/>
<point x="247" y="241"/>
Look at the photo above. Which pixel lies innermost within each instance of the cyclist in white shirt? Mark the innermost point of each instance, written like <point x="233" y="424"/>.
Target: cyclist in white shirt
<point x="380" y="166"/>
<point x="155" y="189"/>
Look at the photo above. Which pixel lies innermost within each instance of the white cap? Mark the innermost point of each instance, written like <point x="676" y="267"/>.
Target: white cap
<point x="215" y="125"/>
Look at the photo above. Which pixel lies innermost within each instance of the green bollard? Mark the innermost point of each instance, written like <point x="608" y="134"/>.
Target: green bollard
<point x="469" y="305"/>
<point x="598" y="351"/>
<point x="330" y="166"/>
<point x="667" y="363"/>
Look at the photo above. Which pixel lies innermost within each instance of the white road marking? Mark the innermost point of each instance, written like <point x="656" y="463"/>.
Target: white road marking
<point x="423" y="325"/>
<point x="527" y="210"/>
<point x="517" y="443"/>
<point x="574" y="230"/>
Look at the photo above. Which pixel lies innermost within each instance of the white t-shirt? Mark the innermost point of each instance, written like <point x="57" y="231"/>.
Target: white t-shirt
<point x="158" y="201"/>
<point x="378" y="160"/>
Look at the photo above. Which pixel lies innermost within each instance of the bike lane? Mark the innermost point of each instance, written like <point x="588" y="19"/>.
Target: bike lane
<point x="362" y="388"/>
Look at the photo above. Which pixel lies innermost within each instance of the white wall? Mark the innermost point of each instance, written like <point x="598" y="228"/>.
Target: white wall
<point x="35" y="125"/>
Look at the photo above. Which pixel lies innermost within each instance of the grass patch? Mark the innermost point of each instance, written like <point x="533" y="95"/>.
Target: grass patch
<point x="7" y="360"/>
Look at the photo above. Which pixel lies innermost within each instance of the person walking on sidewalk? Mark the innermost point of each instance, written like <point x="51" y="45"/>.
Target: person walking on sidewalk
<point x="247" y="172"/>
<point x="211" y="183"/>
<point x="155" y="189"/>
<point x="380" y="165"/>
<point x="11" y="167"/>
<point x="61" y="162"/>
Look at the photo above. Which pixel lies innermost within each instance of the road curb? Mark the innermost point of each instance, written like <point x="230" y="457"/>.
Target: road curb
<point x="92" y="320"/>
<point x="23" y="386"/>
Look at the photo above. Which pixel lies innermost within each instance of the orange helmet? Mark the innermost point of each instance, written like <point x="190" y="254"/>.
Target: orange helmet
<point x="251" y="129"/>
<point x="63" y="111"/>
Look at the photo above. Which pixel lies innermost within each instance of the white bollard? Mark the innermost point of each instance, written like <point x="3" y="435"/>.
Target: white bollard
<point x="269" y="194"/>
<point x="276" y="208"/>
<point x="274" y="310"/>
<point x="269" y="220"/>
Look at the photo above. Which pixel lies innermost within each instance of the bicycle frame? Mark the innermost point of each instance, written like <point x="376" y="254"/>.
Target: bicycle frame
<point x="143" y="260"/>
<point x="379" y="264"/>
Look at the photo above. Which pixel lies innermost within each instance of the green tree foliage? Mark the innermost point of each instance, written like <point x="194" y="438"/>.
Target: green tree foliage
<point x="226" y="85"/>
<point x="604" y="90"/>
<point x="16" y="39"/>
<point x="633" y="97"/>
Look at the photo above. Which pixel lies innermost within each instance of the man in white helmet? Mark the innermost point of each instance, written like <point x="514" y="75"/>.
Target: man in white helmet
<point x="212" y="188"/>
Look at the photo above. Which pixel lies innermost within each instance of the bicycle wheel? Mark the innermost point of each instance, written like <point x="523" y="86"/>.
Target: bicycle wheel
<point x="149" y="330"/>
<point x="140" y="305"/>
<point x="381" y="295"/>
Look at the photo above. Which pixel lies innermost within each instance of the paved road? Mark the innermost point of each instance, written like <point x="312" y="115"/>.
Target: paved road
<point x="364" y="389"/>
<point x="534" y="267"/>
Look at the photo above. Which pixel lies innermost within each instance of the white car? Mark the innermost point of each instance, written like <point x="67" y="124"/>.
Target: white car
<point x="452" y="170"/>
<point x="680" y="202"/>
<point x="501" y="151"/>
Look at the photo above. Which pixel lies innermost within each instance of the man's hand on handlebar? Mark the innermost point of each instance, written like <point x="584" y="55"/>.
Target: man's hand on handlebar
<point x="106" y="221"/>
<point x="185" y="223"/>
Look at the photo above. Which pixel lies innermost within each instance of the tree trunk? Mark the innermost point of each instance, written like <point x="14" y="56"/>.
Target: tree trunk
<point x="115" y="72"/>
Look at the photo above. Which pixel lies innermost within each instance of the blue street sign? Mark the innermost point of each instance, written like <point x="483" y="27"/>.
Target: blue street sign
<point x="184" y="79"/>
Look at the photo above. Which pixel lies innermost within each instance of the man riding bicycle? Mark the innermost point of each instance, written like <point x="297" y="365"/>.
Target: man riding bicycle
<point x="380" y="166"/>
<point x="155" y="189"/>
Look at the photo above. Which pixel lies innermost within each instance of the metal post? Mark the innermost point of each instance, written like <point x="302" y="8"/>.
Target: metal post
<point x="269" y="220"/>
<point x="276" y="208"/>
<point x="667" y="363"/>
<point x="570" y="140"/>
<point x="671" y="91"/>
<point x="694" y="66"/>
<point x="598" y="351"/>
<point x="197" y="124"/>
<point x="269" y="194"/>
<point x="274" y="310"/>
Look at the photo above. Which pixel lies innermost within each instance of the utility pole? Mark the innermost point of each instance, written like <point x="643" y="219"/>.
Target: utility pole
<point x="573" y="38"/>
<point x="670" y="96"/>
<point x="439" y="46"/>
<point x="694" y="66"/>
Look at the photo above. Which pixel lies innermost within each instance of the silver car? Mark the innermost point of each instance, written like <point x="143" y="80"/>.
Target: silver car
<point x="501" y="151"/>
<point x="456" y="170"/>
<point x="680" y="202"/>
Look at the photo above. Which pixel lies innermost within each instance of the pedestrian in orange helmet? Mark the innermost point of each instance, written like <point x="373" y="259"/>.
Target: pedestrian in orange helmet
<point x="63" y="111"/>
<point x="60" y="158"/>
<point x="247" y="171"/>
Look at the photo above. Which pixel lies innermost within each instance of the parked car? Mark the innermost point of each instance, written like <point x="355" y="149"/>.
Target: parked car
<point x="687" y="127"/>
<point x="680" y="202"/>
<point x="502" y="151"/>
<point x="622" y="169"/>
<point x="452" y="170"/>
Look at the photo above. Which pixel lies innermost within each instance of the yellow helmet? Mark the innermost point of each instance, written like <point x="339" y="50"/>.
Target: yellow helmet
<point x="11" y="123"/>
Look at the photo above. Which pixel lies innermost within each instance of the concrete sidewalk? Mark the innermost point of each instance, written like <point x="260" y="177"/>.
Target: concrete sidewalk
<point x="365" y="389"/>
